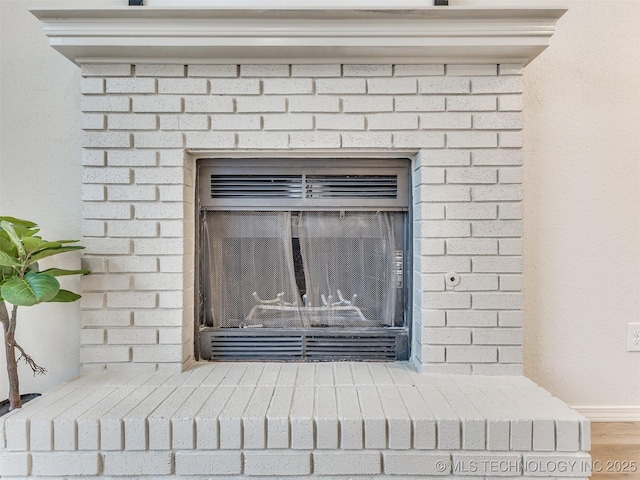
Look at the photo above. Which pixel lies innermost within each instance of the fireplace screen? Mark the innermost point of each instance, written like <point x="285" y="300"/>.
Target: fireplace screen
<point x="309" y="265"/>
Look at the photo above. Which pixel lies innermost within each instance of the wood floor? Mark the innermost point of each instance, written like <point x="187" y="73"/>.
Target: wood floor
<point x="615" y="451"/>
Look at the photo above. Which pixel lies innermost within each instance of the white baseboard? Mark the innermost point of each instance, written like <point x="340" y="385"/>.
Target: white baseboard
<point x="610" y="413"/>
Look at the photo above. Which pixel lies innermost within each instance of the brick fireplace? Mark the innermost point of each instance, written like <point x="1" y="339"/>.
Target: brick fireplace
<point x="147" y="125"/>
<point x="440" y="88"/>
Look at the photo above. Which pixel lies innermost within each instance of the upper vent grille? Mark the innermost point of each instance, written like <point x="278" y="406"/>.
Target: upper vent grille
<point x="330" y="184"/>
<point x="256" y="186"/>
<point x="351" y="186"/>
<point x="312" y="186"/>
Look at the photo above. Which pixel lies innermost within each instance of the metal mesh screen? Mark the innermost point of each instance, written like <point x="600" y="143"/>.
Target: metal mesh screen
<point x="250" y="259"/>
<point x="309" y="269"/>
<point x="348" y="266"/>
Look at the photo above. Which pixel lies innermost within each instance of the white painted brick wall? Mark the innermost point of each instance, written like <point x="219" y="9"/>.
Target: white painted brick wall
<point x="160" y="71"/>
<point x="92" y="122"/>
<point x="418" y="70"/>
<point x="105" y="104"/>
<point x="316" y="70"/>
<point x="187" y="86"/>
<point x="133" y="464"/>
<point x="344" y="463"/>
<point x="264" y="70"/>
<point x="212" y="70"/>
<point x="462" y="121"/>
<point x="367" y="70"/>
<point x="511" y="139"/>
<point x="91" y="85"/>
<point x="209" y="463"/>
<point x="184" y="122"/>
<point x="443" y="85"/>
<point x="395" y="85"/>
<point x="131" y="85"/>
<point x="51" y="464"/>
<point x="400" y="463"/>
<point x="446" y="121"/>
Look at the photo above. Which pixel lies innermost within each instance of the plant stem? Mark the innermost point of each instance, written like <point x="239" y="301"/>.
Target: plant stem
<point x="10" y="353"/>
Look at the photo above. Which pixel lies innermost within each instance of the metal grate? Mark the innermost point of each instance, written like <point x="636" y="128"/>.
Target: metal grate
<point x="303" y="184"/>
<point x="351" y="186"/>
<point x="251" y="344"/>
<point x="249" y="347"/>
<point x="361" y="347"/>
<point x="256" y="186"/>
<point x="311" y="186"/>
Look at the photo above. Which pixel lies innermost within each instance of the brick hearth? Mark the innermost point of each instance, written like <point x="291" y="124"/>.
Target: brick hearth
<point x="271" y="420"/>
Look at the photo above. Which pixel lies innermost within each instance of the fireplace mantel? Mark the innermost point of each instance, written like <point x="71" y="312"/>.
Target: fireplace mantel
<point x="284" y="34"/>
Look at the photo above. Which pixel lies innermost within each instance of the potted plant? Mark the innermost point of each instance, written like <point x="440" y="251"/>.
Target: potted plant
<point x="22" y="284"/>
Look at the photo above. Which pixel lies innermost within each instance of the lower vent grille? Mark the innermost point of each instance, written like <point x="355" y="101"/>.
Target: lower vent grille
<point x="389" y="344"/>
<point x="355" y="348"/>
<point x="247" y="347"/>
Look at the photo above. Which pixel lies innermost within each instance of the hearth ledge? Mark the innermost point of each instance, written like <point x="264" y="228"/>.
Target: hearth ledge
<point x="273" y="419"/>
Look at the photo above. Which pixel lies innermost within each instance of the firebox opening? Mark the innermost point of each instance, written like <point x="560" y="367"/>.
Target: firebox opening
<point x="303" y="260"/>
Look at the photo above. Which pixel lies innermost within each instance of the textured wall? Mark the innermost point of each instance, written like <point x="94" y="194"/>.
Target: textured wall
<point x="40" y="177"/>
<point x="582" y="195"/>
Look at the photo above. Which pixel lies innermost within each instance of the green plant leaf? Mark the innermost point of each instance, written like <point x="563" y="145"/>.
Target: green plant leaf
<point x="32" y="243"/>
<point x="34" y="288"/>
<point x="65" y="296"/>
<point x="37" y="244"/>
<point x="18" y="221"/>
<point x="53" y="251"/>
<point x="6" y="245"/>
<point x="13" y="236"/>
<point x="59" y="272"/>
<point x="7" y="272"/>
<point x="23" y="232"/>
<point x="7" y="260"/>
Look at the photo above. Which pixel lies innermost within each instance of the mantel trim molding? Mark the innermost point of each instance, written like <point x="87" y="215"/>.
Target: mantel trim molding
<point x="210" y="35"/>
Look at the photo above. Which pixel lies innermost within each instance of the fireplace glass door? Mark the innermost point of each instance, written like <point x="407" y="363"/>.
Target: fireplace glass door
<point x="307" y="266"/>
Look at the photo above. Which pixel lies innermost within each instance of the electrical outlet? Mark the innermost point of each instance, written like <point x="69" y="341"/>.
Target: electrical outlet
<point x="633" y="337"/>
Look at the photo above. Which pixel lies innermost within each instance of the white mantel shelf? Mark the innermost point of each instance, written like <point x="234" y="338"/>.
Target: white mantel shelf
<point x="282" y="34"/>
